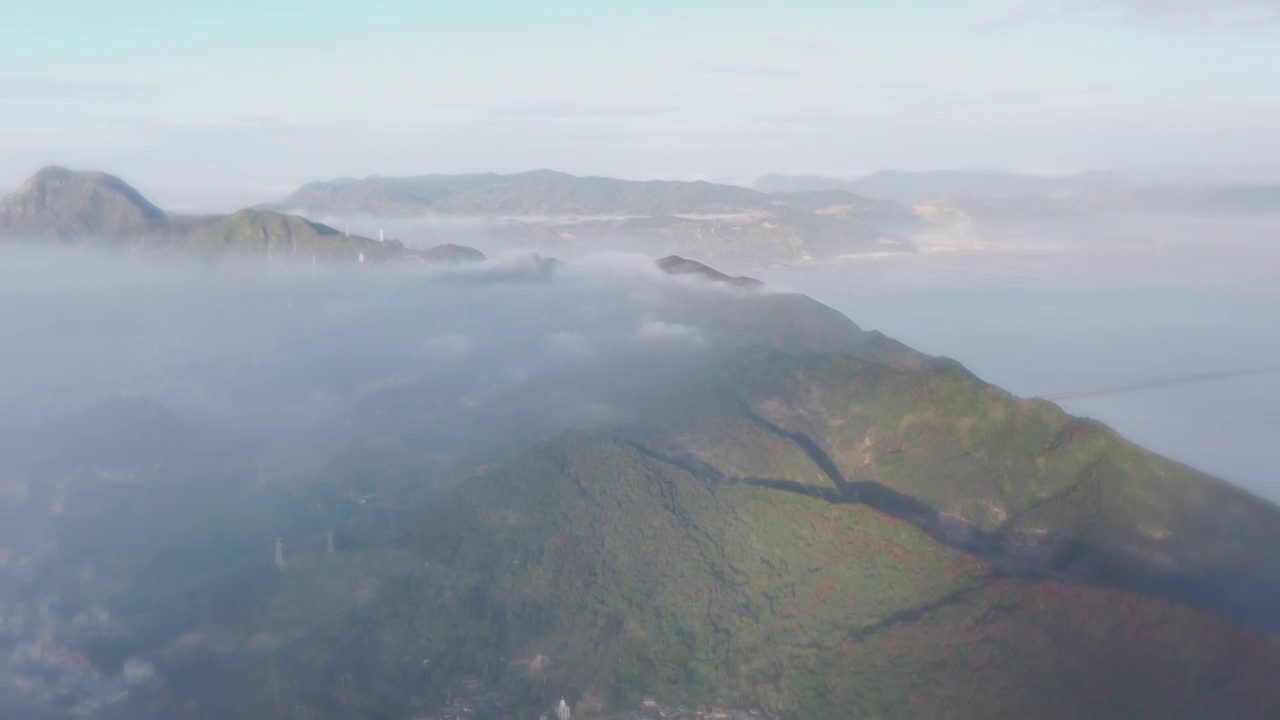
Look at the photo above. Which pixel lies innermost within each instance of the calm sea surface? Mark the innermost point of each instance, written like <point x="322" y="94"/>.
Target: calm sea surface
<point x="1047" y="320"/>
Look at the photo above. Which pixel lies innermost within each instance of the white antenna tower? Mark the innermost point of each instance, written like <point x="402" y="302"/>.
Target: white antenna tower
<point x="381" y="235"/>
<point x="361" y="258"/>
<point x="280" y="563"/>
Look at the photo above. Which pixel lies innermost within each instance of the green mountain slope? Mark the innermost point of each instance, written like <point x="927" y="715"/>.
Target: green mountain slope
<point x="833" y="526"/>
<point x="869" y="529"/>
<point x="1048" y="486"/>
<point x="257" y="234"/>
<point x="634" y="575"/>
<point x="811" y="518"/>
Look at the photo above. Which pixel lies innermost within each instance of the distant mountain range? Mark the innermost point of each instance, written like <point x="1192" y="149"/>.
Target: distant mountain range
<point x="549" y="209"/>
<point x="540" y="192"/>
<point x="1085" y="192"/>
<point x="883" y="198"/>
<point x="782" y="220"/>
<point x="1191" y="199"/>
<point x="94" y="208"/>
<point x="934" y="185"/>
<point x="547" y="193"/>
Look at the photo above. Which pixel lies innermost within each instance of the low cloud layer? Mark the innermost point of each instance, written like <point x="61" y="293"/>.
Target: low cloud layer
<point x="43" y="88"/>
<point x="653" y="330"/>
<point x="166" y="408"/>
<point x="514" y="348"/>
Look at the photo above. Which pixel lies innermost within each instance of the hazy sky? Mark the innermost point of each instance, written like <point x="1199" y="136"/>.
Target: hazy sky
<point x="218" y="102"/>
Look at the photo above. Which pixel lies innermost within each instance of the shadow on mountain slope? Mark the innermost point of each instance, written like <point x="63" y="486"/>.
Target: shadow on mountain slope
<point x="1012" y="553"/>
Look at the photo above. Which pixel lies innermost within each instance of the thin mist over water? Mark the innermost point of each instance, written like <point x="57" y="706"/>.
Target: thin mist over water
<point x="1050" y="307"/>
<point x="1129" y="302"/>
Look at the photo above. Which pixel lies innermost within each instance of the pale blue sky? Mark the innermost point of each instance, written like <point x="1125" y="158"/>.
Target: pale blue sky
<point x="218" y="103"/>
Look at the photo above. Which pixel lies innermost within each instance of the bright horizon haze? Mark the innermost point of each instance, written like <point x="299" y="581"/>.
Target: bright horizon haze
<point x="252" y="99"/>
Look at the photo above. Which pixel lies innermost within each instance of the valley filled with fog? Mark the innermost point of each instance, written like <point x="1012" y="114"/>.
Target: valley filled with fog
<point x="639" y="361"/>
<point x="1040" y="305"/>
<point x="162" y="423"/>
<point x="166" y="423"/>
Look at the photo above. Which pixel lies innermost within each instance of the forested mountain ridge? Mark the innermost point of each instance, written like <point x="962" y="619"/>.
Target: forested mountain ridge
<point x="663" y="481"/>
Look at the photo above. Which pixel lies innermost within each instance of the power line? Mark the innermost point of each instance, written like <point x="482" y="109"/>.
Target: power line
<point x="1164" y="383"/>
